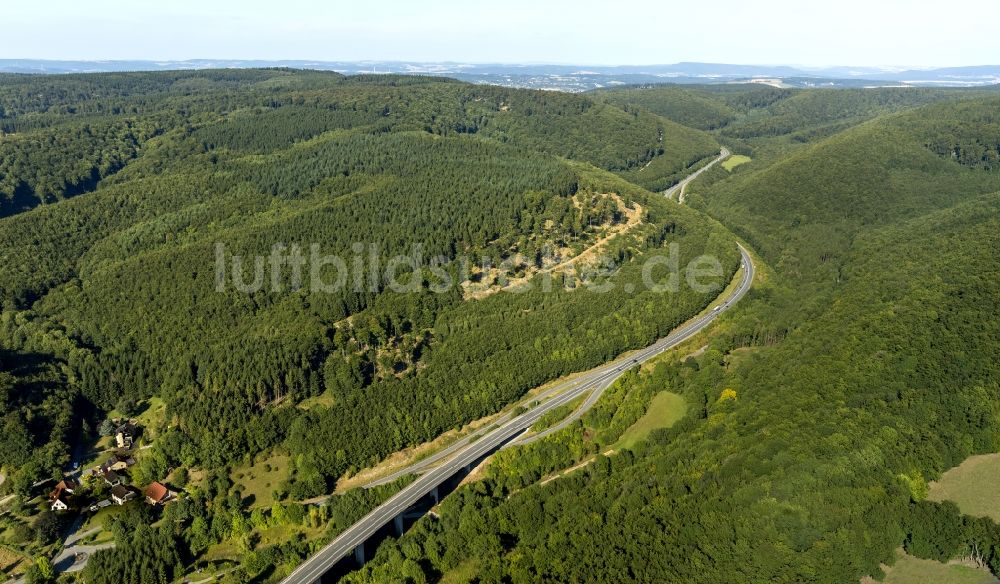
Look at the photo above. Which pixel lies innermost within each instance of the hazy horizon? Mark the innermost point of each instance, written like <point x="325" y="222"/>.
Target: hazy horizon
<point x="892" y="34"/>
<point x="793" y="65"/>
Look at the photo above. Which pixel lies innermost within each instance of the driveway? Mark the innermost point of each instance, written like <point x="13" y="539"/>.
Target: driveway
<point x="74" y="557"/>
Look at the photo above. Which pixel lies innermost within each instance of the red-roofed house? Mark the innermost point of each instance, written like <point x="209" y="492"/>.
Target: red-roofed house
<point x="58" y="497"/>
<point x="157" y="494"/>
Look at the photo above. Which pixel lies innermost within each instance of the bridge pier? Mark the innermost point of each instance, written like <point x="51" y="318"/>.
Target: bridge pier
<point x="399" y="525"/>
<point x="434" y="495"/>
<point x="359" y="554"/>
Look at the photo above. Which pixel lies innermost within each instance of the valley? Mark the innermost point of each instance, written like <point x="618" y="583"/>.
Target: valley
<point x="256" y="323"/>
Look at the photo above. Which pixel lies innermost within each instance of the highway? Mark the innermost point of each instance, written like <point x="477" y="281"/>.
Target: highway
<point x="466" y="453"/>
<point x="680" y="187"/>
<point x="675" y="338"/>
<point x="424" y="463"/>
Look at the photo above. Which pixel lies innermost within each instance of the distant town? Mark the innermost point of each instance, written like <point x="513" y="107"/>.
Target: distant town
<point x="571" y="78"/>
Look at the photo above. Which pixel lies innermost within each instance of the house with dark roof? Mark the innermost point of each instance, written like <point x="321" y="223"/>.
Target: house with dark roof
<point x="112" y="478"/>
<point x="125" y="435"/>
<point x="117" y="462"/>
<point x="121" y="494"/>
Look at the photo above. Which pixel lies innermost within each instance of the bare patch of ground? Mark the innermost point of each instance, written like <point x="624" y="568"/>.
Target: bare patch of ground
<point x="587" y="257"/>
<point x="571" y="469"/>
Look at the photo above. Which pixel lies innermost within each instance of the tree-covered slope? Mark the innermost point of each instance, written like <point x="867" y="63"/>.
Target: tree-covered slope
<point x="803" y="211"/>
<point x="695" y="108"/>
<point x="861" y="368"/>
<point x="117" y="288"/>
<point x="861" y="365"/>
<point x="810" y="112"/>
<point x="59" y="140"/>
<point x="801" y="458"/>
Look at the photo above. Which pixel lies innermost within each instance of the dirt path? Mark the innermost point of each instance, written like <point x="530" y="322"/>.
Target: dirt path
<point x="575" y="468"/>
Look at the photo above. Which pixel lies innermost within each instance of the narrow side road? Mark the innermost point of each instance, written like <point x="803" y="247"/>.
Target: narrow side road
<point x="679" y="188"/>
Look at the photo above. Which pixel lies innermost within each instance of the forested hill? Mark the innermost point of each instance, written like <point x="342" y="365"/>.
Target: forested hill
<point x="118" y="189"/>
<point x="805" y="426"/>
<point x="863" y="366"/>
<point x="63" y="134"/>
<point x="804" y="211"/>
<point x="753" y="111"/>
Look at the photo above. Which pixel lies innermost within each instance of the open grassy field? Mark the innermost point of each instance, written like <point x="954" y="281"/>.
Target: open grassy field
<point x="101" y="519"/>
<point x="462" y="573"/>
<point x="971" y="485"/>
<point x="734" y="161"/>
<point x="737" y="356"/>
<point x="151" y="418"/>
<point x="664" y="410"/>
<point x="911" y="570"/>
<point x="261" y="479"/>
<point x="10" y="561"/>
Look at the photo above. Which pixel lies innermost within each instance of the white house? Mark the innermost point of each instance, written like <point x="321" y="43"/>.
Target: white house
<point x="121" y="494"/>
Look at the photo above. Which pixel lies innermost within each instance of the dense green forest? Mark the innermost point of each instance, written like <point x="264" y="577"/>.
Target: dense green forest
<point x="860" y="369"/>
<point x="861" y="366"/>
<point x="119" y="190"/>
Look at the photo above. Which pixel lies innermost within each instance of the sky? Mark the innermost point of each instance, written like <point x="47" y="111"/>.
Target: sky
<point x="797" y="32"/>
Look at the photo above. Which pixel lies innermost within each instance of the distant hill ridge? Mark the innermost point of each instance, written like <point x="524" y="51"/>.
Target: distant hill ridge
<point x="577" y="76"/>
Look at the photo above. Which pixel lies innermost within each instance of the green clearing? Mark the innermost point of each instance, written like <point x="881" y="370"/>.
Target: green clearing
<point x="665" y="409"/>
<point x="462" y="573"/>
<point x="101" y="518"/>
<point x="325" y="400"/>
<point x="283" y="533"/>
<point x="222" y="552"/>
<point x="100" y="452"/>
<point x="737" y="357"/>
<point x="151" y="418"/>
<point x="970" y="484"/>
<point x="261" y="479"/>
<point x="734" y="161"/>
<point x="911" y="570"/>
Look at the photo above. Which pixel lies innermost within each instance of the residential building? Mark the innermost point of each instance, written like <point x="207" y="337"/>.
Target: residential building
<point x="125" y="435"/>
<point x="112" y="478"/>
<point x="117" y="462"/>
<point x="121" y="494"/>
<point x="157" y="494"/>
<point x="58" y="497"/>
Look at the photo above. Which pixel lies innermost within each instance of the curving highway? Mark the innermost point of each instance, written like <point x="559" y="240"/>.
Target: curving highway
<point x="672" y="340"/>
<point x="467" y="452"/>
